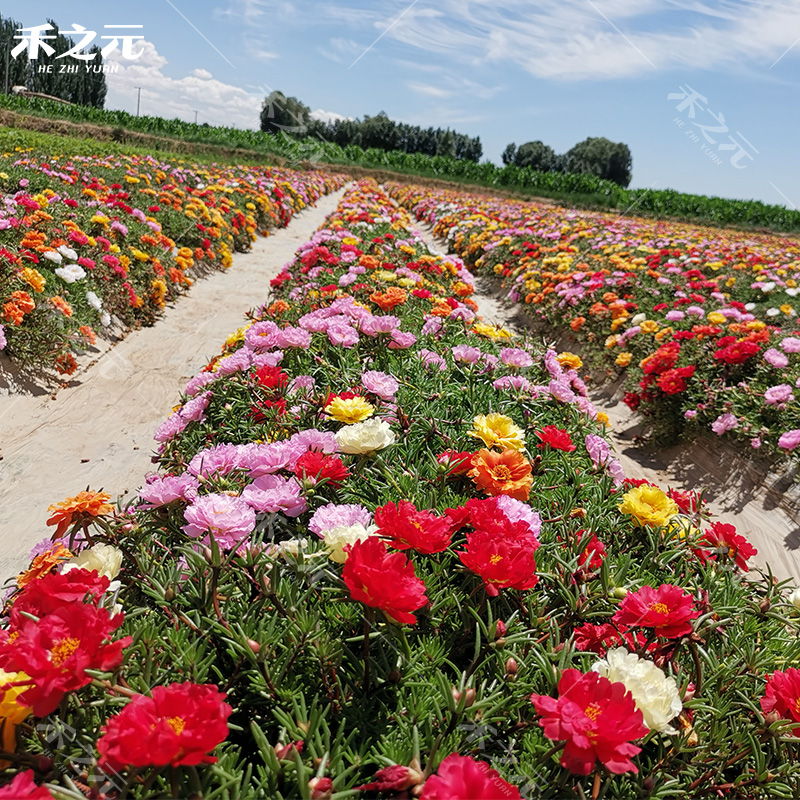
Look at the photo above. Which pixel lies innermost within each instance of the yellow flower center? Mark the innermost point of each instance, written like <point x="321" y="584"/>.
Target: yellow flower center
<point x="659" y="608"/>
<point x="501" y="473"/>
<point x="593" y="711"/>
<point x="63" y="650"/>
<point x="496" y="558"/>
<point x="177" y="724"/>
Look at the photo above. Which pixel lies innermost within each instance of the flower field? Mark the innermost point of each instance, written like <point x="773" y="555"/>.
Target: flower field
<point x="87" y="243"/>
<point x="702" y="322"/>
<point x="388" y="553"/>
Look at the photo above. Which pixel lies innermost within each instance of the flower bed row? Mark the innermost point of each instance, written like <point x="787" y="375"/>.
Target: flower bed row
<point x="86" y="242"/>
<point x="702" y="322"/>
<point x="389" y="553"/>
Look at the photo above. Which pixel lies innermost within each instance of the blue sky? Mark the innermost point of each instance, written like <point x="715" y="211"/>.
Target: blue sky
<point x="505" y="70"/>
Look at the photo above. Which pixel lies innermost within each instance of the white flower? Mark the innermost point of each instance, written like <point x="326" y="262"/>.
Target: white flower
<point x="94" y="301"/>
<point x="336" y="539"/>
<point x="365" y="437"/>
<point x="656" y="695"/>
<point x="638" y="319"/>
<point x="68" y="252"/>
<point x="71" y="273"/>
<point x="105" y="319"/>
<point x="794" y="598"/>
<point x="51" y="255"/>
<point x="749" y="306"/>
<point x="771" y="312"/>
<point x="105" y="558"/>
<point x="767" y="286"/>
<point x="291" y="547"/>
<point x="792" y="292"/>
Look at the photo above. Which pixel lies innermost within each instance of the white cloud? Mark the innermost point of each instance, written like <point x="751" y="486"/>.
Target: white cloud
<point x="327" y="116"/>
<point x="595" y="39"/>
<point x="341" y="50"/>
<point x="216" y="102"/>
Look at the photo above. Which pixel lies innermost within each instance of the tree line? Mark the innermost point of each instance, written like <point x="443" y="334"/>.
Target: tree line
<point x="594" y="156"/>
<point x="281" y="114"/>
<point x="82" y="87"/>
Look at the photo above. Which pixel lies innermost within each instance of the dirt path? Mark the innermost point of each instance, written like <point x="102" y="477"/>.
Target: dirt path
<point x="99" y="433"/>
<point x="736" y="494"/>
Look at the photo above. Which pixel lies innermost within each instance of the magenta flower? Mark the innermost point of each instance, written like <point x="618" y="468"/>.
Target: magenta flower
<point x="561" y="391"/>
<point x="199" y="382"/>
<point x="512" y="382"/>
<point x="342" y="335"/>
<point x="432" y="359"/>
<point x="170" y="427"/>
<point x="791" y="344"/>
<point x="237" y="362"/>
<point x="3" y="341"/>
<point x="293" y="337"/>
<point x="552" y="364"/>
<point x="261" y="335"/>
<point x="401" y="340"/>
<point x="376" y="325"/>
<point x="334" y="515"/>
<point x="432" y="326"/>
<point x="229" y="519"/>
<point x="194" y="410"/>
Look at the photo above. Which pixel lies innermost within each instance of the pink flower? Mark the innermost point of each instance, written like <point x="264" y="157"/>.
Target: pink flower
<point x="342" y="335"/>
<point x="790" y="440"/>
<point x="553" y="365"/>
<point x="261" y="335"/>
<point x="331" y="516"/>
<point x="401" y="340"/>
<point x="516" y="382"/>
<point x="464" y="354"/>
<point x="229" y="519"/>
<point x="271" y="493"/>
<point x="194" y="409"/>
<point x="791" y="344"/>
<point x="375" y="325"/>
<point x="432" y="359"/>
<point x="238" y="362"/>
<point x="293" y="337"/>
<point x="776" y="358"/>
<point x="199" y="382"/>
<point x="515" y="357"/>
<point x="3" y="341"/>
<point x="561" y="391"/>
<point x="782" y="393"/>
<point x="160" y="491"/>
<point x="380" y="384"/>
<point x="724" y="423"/>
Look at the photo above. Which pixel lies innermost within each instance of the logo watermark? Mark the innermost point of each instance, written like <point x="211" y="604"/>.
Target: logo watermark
<point x="690" y="102"/>
<point x="35" y="41"/>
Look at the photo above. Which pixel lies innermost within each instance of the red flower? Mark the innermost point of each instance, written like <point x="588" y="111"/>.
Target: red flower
<point x="632" y="400"/>
<point x="597" y="718"/>
<point x="457" y="463"/>
<point x="178" y="725"/>
<point x="313" y="466"/>
<point x="383" y="580"/>
<point x="392" y="779"/>
<point x="663" y="359"/>
<point x="271" y="377"/>
<point x="593" y="553"/>
<point x="726" y="542"/>
<point x="23" y="787"/>
<point x="57" y="650"/>
<point x="53" y="591"/>
<point x="556" y="438"/>
<point x="598" y="638"/>
<point x="503" y="560"/>
<point x="737" y="353"/>
<point x="462" y="778"/>
<point x="673" y="381"/>
<point x="782" y="695"/>
<point x="688" y="502"/>
<point x="667" y="610"/>
<point x="406" y="526"/>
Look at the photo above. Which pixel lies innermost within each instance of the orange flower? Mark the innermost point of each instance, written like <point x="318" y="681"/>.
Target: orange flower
<point x="62" y="305"/>
<point x="393" y="296"/>
<point x="66" y="364"/>
<point x="370" y="262"/>
<point x="43" y="563"/>
<point x="79" y="508"/>
<point x="88" y="334"/>
<point x="506" y="473"/>
<point x="278" y="307"/>
<point x="24" y="301"/>
<point x="577" y="323"/>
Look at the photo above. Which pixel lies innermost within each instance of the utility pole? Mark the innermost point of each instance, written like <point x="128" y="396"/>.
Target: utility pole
<point x="195" y="117"/>
<point x="138" y="99"/>
<point x="8" y="52"/>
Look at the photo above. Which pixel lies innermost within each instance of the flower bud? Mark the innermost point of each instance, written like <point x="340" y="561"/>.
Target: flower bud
<point x="620" y="592"/>
<point x="321" y="788"/>
<point x="764" y="605"/>
<point x="794" y="598"/>
<point x="208" y="555"/>
<point x="469" y="696"/>
<point x="254" y="646"/>
<point x="169" y="594"/>
<point x="395" y="676"/>
<point x="511" y="669"/>
<point x="500" y="629"/>
<point x="286" y="751"/>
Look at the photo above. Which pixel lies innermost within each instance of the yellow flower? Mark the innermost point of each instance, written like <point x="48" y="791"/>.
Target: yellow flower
<point x="787" y="309"/>
<point x="617" y="323"/>
<point x="602" y="417"/>
<point x="715" y="318"/>
<point x="611" y="341"/>
<point x="348" y="411"/>
<point x="491" y="332"/>
<point x="648" y="505"/>
<point x="497" y="430"/>
<point x="623" y="359"/>
<point x="12" y="712"/>
<point x="663" y="333"/>
<point x="755" y="325"/>
<point x="649" y="326"/>
<point x="33" y="278"/>
<point x="569" y="360"/>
